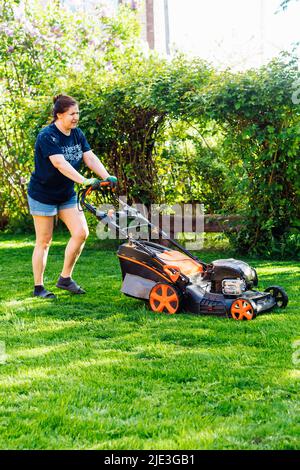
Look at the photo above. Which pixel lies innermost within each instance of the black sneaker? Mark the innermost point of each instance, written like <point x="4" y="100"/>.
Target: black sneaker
<point x="69" y="285"/>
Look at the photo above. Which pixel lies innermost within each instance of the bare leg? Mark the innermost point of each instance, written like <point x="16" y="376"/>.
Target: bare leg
<point x="76" y="223"/>
<point x="43" y="228"/>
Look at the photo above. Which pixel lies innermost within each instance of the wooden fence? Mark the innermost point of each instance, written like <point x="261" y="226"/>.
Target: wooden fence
<point x="212" y="223"/>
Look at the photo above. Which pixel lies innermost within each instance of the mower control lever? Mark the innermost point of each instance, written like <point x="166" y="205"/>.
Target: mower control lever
<point x="172" y="271"/>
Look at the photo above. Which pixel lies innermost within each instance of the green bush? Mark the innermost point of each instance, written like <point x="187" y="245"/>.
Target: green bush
<point x="171" y="130"/>
<point x="258" y="117"/>
<point x="126" y="111"/>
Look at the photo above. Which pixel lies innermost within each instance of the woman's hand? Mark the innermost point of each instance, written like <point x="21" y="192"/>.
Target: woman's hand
<point x="89" y="182"/>
<point x="113" y="181"/>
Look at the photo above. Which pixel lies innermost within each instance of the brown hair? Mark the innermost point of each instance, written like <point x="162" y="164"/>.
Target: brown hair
<point x="61" y="104"/>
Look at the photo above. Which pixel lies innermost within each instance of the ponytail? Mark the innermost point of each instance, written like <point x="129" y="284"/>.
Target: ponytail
<point x="61" y="104"/>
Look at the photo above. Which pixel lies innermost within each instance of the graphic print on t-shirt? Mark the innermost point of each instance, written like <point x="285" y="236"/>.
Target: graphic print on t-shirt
<point x="72" y="154"/>
<point x="47" y="184"/>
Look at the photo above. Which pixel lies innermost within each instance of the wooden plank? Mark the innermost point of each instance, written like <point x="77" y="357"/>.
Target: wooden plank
<point x="213" y="223"/>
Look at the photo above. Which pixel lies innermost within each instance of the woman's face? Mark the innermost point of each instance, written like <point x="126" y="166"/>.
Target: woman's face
<point x="69" y="119"/>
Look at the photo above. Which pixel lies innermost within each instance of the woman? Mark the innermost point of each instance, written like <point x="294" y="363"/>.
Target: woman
<point x="59" y="150"/>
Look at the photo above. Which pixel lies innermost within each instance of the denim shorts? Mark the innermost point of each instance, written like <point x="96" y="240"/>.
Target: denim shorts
<point x="39" y="208"/>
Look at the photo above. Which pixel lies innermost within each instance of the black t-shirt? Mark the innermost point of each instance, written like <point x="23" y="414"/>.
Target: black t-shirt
<point x="47" y="184"/>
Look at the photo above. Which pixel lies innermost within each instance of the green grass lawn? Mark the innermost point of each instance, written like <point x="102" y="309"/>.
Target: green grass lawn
<point x="101" y="371"/>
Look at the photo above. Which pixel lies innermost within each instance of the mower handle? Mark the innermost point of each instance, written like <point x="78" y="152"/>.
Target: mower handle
<point x="83" y="193"/>
<point x="171" y="271"/>
<point x="98" y="185"/>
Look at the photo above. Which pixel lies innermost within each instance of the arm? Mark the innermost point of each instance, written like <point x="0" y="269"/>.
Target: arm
<point x="93" y="162"/>
<point x="66" y="169"/>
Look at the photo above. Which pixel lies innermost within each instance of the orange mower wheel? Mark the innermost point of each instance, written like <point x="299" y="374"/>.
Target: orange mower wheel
<point x="242" y="309"/>
<point x="164" y="298"/>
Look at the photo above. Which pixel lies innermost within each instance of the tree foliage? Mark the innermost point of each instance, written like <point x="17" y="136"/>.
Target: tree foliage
<point x="43" y="49"/>
<point x="125" y="115"/>
<point x="256" y="111"/>
<point x="171" y="130"/>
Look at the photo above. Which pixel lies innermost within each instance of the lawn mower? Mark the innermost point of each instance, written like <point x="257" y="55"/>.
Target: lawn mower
<point x="172" y="279"/>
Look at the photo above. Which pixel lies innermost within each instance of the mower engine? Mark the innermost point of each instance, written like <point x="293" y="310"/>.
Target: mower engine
<point x="231" y="276"/>
<point x="233" y="286"/>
